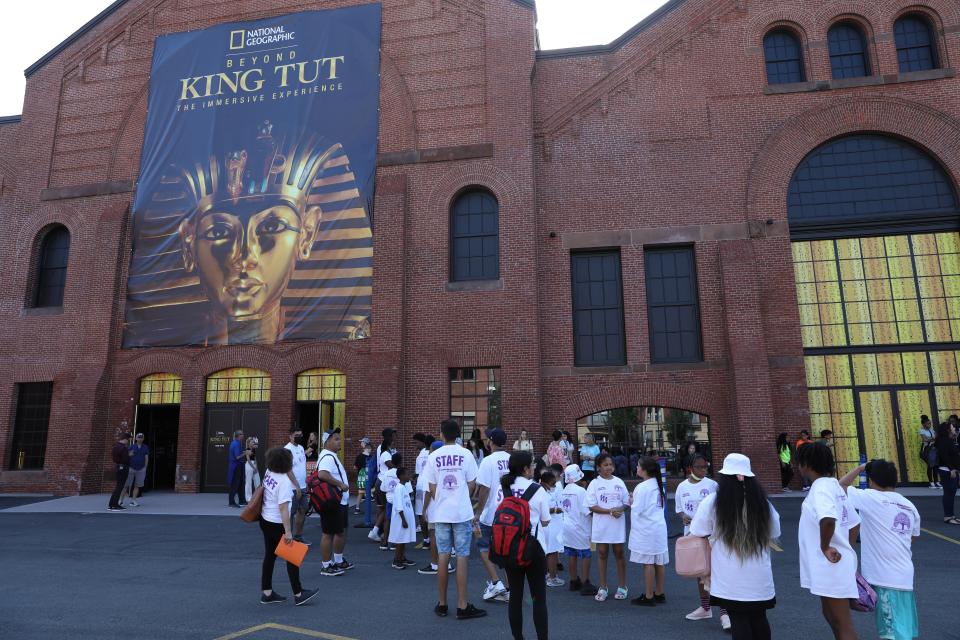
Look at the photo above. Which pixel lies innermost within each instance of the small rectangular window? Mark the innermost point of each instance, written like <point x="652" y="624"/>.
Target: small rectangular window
<point x="475" y="398"/>
<point x="672" y="305"/>
<point x="597" y="309"/>
<point x="31" y="421"/>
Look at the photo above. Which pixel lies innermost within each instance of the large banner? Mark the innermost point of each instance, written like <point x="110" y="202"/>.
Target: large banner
<point x="252" y="217"/>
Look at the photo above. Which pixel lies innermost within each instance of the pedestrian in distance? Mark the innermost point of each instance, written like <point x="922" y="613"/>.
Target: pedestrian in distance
<point x="452" y="473"/>
<point x="139" y="461"/>
<point x="333" y="522"/>
<point x="687" y="499"/>
<point x="740" y="524"/>
<point x="360" y="464"/>
<point x="121" y="460"/>
<point x="298" y="478"/>
<point x="275" y="526"/>
<point x="523" y="443"/>
<point x="948" y="461"/>
<point x="928" y="436"/>
<point x="403" y="527"/>
<point x="804" y="439"/>
<point x="890" y="524"/>
<point x="828" y="563"/>
<point x="648" y="532"/>
<point x="236" y="462"/>
<point x="489" y="495"/>
<point x="553" y="539"/>
<point x="384" y="452"/>
<point x="607" y="498"/>
<point x="251" y="472"/>
<point x="516" y="482"/>
<point x="785" y="456"/>
<point x="577" y="523"/>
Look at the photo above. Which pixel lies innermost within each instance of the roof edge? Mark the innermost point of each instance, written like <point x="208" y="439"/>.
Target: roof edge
<point x="9" y="119"/>
<point x="76" y="35"/>
<point x="600" y="49"/>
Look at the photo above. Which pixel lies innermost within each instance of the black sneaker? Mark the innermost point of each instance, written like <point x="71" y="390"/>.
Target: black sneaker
<point x="345" y="565"/>
<point x="451" y="568"/>
<point x="588" y="589"/>
<point x="470" y="612"/>
<point x="440" y="610"/>
<point x="304" y="596"/>
<point x="575" y="585"/>
<point x="384" y="547"/>
<point x="427" y="570"/>
<point x="363" y="525"/>
<point x="331" y="570"/>
<point x="643" y="601"/>
<point x="660" y="599"/>
<point x="398" y="565"/>
<point x="559" y="566"/>
<point x="301" y="540"/>
<point x="409" y="563"/>
<point x="117" y="508"/>
<point x="273" y="598"/>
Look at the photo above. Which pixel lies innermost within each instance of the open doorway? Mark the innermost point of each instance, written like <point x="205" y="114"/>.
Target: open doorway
<point x="158" y="418"/>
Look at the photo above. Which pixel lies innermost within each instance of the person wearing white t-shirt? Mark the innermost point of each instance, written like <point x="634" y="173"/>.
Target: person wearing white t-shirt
<point x="452" y="472"/>
<point x="421" y="461"/>
<point x="298" y="477"/>
<point x="890" y="524"/>
<point x="386" y="483"/>
<point x="648" y="532"/>
<point x="403" y="528"/>
<point x="384" y="453"/>
<point x="489" y="494"/>
<point x="516" y="482"/>
<point x="828" y="563"/>
<point x="740" y="523"/>
<point x="275" y="526"/>
<point x="577" y="522"/>
<point x="333" y="522"/>
<point x="690" y="493"/>
<point x="553" y="542"/>
<point x="607" y="497"/>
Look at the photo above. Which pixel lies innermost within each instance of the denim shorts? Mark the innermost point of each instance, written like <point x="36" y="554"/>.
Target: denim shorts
<point x="303" y="504"/>
<point x="456" y="535"/>
<point x="580" y="554"/>
<point x="485" y="539"/>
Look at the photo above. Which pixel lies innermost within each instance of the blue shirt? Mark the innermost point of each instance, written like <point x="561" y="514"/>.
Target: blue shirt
<point x="590" y="450"/>
<point x="236" y="449"/>
<point x="138" y="456"/>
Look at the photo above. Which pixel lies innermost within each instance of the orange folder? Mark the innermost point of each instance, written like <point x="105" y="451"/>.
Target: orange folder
<point x="293" y="553"/>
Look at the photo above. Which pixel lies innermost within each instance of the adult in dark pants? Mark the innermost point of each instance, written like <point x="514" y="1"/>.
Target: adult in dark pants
<point x="235" y="472"/>
<point x="275" y="526"/>
<point x="948" y="461"/>
<point x="121" y="458"/>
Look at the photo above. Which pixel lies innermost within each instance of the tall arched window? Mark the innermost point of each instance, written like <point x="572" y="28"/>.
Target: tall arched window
<point x="848" y="51"/>
<point x="784" y="57"/>
<point x="916" y="47"/>
<point x="51" y="270"/>
<point x="474" y="237"/>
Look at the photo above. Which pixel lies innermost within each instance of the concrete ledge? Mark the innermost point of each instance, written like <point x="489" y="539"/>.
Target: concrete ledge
<point x="438" y="154"/>
<point x="87" y="190"/>
<point x="475" y="285"/>
<point x="866" y="81"/>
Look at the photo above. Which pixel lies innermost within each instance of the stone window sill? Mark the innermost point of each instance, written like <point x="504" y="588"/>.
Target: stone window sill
<point x="28" y="312"/>
<point x="475" y="285"/>
<point x="849" y="83"/>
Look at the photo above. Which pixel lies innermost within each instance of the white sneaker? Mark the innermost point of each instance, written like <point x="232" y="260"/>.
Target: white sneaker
<point x="939" y="486"/>
<point x="725" y="622"/>
<point x="556" y="582"/>
<point x="374" y="535"/>
<point x="133" y="503"/>
<point x="493" y="590"/>
<point x="933" y="485"/>
<point x="700" y="614"/>
<point x="503" y="597"/>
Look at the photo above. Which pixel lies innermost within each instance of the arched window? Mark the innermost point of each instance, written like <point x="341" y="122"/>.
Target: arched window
<point x="867" y="177"/>
<point x="51" y="271"/>
<point x="848" y="51"/>
<point x="916" y="50"/>
<point x="474" y="237"/>
<point x="784" y="57"/>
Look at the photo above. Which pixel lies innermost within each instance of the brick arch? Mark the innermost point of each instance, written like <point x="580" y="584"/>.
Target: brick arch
<point x="28" y="238"/>
<point x="801" y="21"/>
<point x="128" y="141"/>
<point x="469" y="174"/>
<point x="938" y="13"/>
<point x="323" y="355"/>
<point x="266" y="359"/>
<point x="863" y="12"/>
<point x="770" y="174"/>
<point x="644" y="394"/>
<point x="468" y="357"/>
<point x="165" y="361"/>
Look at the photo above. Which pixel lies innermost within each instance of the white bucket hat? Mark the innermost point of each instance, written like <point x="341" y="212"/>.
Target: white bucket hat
<point x="737" y="464"/>
<point x="572" y="474"/>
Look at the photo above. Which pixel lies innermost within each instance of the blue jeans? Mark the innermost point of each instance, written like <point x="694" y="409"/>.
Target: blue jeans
<point x="368" y="506"/>
<point x="949" y="492"/>
<point x="455" y="535"/>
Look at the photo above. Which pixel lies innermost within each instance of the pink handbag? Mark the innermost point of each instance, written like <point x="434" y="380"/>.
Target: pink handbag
<point x="692" y="555"/>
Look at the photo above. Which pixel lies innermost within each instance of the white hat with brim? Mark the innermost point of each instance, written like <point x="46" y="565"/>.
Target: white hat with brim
<point x="572" y="474"/>
<point x="737" y="464"/>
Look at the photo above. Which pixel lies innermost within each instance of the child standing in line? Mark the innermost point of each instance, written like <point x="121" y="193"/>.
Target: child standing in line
<point x="577" y="521"/>
<point x="555" y="534"/>
<point x="890" y="525"/>
<point x="403" y="528"/>
<point x="388" y="482"/>
<point x="648" y="532"/>
<point x="828" y="563"/>
<point x="690" y="493"/>
<point x="607" y="497"/>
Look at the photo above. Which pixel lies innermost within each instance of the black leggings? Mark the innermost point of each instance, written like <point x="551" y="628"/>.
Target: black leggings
<point x="749" y="625"/>
<point x="932" y="474"/>
<point x="786" y="474"/>
<point x="535" y="575"/>
<point x="272" y="534"/>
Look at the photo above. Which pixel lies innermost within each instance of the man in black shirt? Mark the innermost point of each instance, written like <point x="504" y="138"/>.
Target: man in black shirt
<point x="121" y="457"/>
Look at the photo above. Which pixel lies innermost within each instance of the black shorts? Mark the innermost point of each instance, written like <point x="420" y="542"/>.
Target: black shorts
<point x="334" y="521"/>
<point x="380" y="497"/>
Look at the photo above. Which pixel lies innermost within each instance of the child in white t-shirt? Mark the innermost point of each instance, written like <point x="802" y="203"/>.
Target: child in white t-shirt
<point x="387" y="482"/>
<point x="648" y="532"/>
<point x="555" y="531"/>
<point x="830" y="570"/>
<point x="403" y="527"/>
<point x="607" y="497"/>
<point x="577" y="522"/>
<point x="889" y="525"/>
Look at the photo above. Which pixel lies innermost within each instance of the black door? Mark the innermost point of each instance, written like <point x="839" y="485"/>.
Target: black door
<point x="221" y="421"/>
<point x="160" y="424"/>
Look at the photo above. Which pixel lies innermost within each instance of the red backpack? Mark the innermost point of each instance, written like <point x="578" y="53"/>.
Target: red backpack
<point x="511" y="548"/>
<point x="323" y="495"/>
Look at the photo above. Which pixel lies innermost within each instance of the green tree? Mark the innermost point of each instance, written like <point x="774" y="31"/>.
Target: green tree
<point x="621" y="422"/>
<point x="679" y="424"/>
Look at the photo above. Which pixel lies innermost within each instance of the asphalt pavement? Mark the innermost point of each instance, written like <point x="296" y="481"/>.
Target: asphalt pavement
<point x="101" y="575"/>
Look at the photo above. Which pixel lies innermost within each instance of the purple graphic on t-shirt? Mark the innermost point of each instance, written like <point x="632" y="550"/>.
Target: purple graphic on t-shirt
<point x="450" y="481"/>
<point x="704" y="493"/>
<point x="901" y="524"/>
<point x="567" y="504"/>
<point x="689" y="506"/>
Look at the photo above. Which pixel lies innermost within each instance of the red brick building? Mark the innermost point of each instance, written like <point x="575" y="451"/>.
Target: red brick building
<point x="740" y="217"/>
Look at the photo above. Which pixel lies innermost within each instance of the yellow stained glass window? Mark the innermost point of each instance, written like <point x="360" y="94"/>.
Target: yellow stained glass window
<point x="946" y="366"/>
<point x="948" y="401"/>
<point x="865" y="373"/>
<point x="238" y="385"/>
<point x="160" y="388"/>
<point x="838" y="371"/>
<point x="915" y="369"/>
<point x="321" y="384"/>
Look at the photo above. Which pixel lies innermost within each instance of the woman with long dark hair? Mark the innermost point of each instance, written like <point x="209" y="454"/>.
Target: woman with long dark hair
<point x="786" y="457"/>
<point x="948" y="461"/>
<point x="517" y="482"/>
<point x="740" y="523"/>
<point x="648" y="532"/>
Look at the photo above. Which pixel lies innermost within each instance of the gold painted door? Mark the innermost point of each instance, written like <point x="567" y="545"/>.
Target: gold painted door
<point x="879" y="426"/>
<point x="911" y="404"/>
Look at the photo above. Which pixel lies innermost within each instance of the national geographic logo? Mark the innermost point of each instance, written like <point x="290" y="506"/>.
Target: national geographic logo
<point x="243" y="38"/>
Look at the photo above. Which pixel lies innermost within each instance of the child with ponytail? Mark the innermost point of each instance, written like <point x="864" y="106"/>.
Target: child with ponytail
<point x="607" y="497"/>
<point x="648" y="532"/>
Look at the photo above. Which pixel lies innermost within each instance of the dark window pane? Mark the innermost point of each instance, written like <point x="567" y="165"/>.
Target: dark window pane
<point x="30" y="425"/>
<point x="915" y="44"/>
<point x="597" y="309"/>
<point x="474" y="237"/>
<point x="52" y="268"/>
<point x="475" y="404"/>
<point x="784" y="57"/>
<point x="672" y="305"/>
<point x="848" y="51"/>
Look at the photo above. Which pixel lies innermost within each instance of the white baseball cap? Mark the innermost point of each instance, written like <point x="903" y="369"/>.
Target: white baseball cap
<point x="737" y="464"/>
<point x="572" y="474"/>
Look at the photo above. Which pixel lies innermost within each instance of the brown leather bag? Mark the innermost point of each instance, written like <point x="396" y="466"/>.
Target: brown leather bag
<point x="251" y="512"/>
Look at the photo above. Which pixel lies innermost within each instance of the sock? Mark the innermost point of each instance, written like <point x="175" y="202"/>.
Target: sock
<point x="705" y="601"/>
<point x="433" y="566"/>
<point x="326" y="563"/>
<point x="338" y="558"/>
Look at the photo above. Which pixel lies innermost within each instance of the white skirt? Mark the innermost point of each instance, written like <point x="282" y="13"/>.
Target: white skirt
<point x="661" y="559"/>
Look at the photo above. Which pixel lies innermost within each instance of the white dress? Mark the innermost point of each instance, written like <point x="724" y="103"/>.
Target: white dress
<point x="555" y="530"/>
<point x="827" y="499"/>
<point x="402" y="504"/>
<point x="648" y="526"/>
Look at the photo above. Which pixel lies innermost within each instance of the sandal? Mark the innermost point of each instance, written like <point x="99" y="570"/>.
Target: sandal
<point x="951" y="521"/>
<point x="621" y="593"/>
<point x="601" y="594"/>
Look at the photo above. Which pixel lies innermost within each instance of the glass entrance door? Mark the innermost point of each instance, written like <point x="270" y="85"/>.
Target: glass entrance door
<point x="911" y="404"/>
<point x="891" y="422"/>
